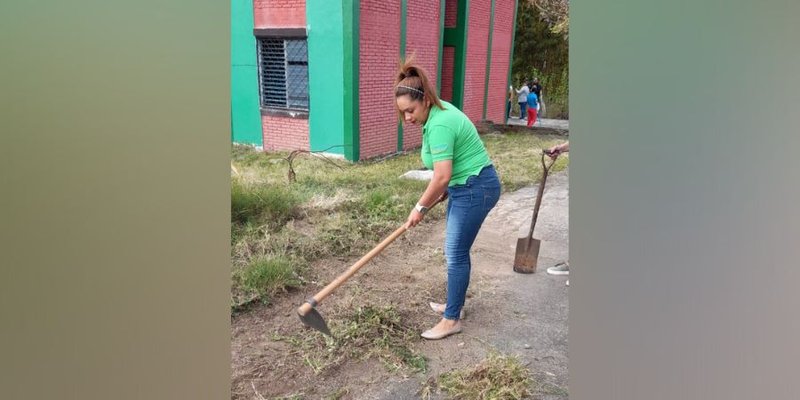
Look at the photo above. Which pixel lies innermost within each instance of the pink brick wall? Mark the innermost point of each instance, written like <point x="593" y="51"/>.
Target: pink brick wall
<point x="501" y="51"/>
<point x="477" y="44"/>
<point x="379" y="53"/>
<point x="279" y="13"/>
<point x="422" y="40"/>
<point x="283" y="133"/>
<point x="450" y="13"/>
<point x="448" y="62"/>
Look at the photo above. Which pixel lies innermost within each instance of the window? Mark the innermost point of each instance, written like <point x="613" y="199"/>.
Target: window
<point x="283" y="73"/>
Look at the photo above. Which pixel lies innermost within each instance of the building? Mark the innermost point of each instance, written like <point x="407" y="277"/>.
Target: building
<point x="324" y="69"/>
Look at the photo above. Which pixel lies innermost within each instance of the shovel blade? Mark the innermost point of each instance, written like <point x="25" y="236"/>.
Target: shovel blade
<point x="527" y="255"/>
<point x="314" y="320"/>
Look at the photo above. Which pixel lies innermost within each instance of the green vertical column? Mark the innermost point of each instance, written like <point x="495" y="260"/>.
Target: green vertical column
<point x="245" y="108"/>
<point x="403" y="16"/>
<point x="488" y="62"/>
<point x="333" y="108"/>
<point x="351" y="14"/>
<point x="457" y="37"/>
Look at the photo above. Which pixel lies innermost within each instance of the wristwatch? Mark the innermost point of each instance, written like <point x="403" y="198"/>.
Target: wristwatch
<point x="422" y="209"/>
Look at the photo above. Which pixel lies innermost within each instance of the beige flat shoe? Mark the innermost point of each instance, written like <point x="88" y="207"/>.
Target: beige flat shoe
<point x="439" y="309"/>
<point x="431" y="336"/>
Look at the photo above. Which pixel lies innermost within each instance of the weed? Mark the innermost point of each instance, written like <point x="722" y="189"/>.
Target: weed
<point x="270" y="204"/>
<point x="267" y="275"/>
<point x="498" y="377"/>
<point x="369" y="331"/>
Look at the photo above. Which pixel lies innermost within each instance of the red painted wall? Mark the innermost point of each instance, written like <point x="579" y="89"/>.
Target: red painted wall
<point x="501" y="51"/>
<point x="450" y="13"/>
<point x="477" y="45"/>
<point x="282" y="133"/>
<point x="422" y="40"/>
<point x="379" y="54"/>
<point x="448" y="63"/>
<point x="279" y="13"/>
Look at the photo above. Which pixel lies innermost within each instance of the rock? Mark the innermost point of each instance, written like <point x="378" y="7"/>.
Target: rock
<point x="420" y="175"/>
<point x="527" y="346"/>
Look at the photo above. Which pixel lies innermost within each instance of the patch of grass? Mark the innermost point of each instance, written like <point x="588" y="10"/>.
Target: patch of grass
<point x="517" y="157"/>
<point x="268" y="275"/>
<point x="269" y="204"/>
<point x="370" y="331"/>
<point x="498" y="378"/>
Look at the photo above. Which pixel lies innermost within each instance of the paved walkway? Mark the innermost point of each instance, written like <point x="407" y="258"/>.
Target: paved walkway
<point x="543" y="123"/>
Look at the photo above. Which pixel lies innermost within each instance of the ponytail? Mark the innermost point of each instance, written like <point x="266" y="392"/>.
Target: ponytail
<point x="412" y="81"/>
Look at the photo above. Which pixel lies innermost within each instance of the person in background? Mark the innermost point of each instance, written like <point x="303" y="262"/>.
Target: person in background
<point x="533" y="102"/>
<point x="537" y="88"/>
<point x="510" y="101"/>
<point x="462" y="172"/>
<point x="561" y="268"/>
<point x="522" y="99"/>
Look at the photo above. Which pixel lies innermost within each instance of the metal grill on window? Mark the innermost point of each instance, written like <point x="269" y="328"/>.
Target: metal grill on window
<point x="283" y="66"/>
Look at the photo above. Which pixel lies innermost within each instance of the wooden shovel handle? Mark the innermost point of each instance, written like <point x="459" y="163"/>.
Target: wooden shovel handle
<point x="545" y="170"/>
<point x="327" y="290"/>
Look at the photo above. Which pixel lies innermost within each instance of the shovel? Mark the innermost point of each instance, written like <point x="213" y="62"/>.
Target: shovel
<point x="528" y="248"/>
<point x="309" y="314"/>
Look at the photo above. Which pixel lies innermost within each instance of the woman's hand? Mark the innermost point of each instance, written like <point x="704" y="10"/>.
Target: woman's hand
<point x="414" y="218"/>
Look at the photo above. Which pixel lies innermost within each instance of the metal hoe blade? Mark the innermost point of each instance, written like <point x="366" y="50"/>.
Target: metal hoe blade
<point x="314" y="320"/>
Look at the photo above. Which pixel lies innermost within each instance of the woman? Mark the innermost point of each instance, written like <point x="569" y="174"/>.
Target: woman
<point x="522" y="99"/>
<point x="462" y="171"/>
<point x="533" y="102"/>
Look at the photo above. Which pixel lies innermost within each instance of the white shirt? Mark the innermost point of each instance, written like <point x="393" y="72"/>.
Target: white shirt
<point x="523" y="94"/>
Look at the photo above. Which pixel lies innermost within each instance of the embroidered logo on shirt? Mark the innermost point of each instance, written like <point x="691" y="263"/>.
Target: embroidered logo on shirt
<point x="439" y="148"/>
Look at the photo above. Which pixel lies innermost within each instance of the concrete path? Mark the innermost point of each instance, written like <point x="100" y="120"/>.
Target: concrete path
<point x="562" y="124"/>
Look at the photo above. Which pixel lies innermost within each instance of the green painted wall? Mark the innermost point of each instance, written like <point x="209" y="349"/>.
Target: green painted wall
<point x="325" y="75"/>
<point x="403" y="22"/>
<point x="245" y="112"/>
<point x="352" y="14"/>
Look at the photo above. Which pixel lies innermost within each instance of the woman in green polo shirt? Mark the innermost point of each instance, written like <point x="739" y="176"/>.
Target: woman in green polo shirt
<point x="462" y="172"/>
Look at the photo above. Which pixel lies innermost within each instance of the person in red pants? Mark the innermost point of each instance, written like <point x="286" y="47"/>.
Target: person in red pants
<point x="533" y="101"/>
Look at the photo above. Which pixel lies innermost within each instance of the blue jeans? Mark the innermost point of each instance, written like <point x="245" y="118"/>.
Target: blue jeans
<point x="467" y="208"/>
<point x="522" y="107"/>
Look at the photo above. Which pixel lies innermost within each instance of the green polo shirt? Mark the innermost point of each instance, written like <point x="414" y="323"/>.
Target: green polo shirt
<point x="449" y="135"/>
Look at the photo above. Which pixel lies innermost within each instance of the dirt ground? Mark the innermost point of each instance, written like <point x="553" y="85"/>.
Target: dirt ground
<point x="519" y="314"/>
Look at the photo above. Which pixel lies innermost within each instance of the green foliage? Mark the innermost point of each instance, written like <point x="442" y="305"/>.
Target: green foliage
<point x="540" y="52"/>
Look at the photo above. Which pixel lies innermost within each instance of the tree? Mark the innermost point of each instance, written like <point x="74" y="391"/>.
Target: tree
<point x="555" y="13"/>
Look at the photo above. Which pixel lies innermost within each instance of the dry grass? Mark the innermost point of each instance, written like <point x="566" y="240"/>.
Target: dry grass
<point x="497" y="377"/>
<point x="368" y="331"/>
